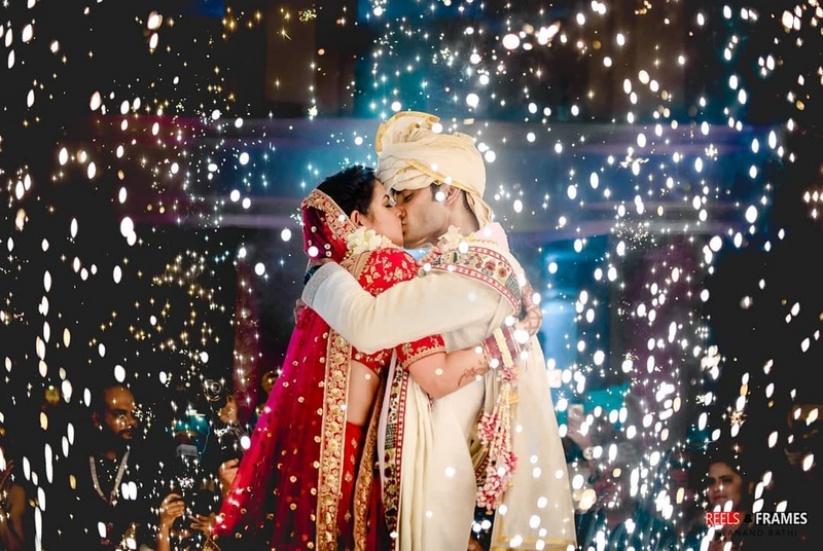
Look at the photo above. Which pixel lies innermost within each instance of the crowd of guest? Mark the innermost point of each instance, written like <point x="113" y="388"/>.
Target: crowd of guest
<point x="119" y="489"/>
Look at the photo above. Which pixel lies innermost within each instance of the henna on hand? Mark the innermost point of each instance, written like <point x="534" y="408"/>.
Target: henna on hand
<point x="531" y="317"/>
<point x="473" y="371"/>
<point x="468" y="372"/>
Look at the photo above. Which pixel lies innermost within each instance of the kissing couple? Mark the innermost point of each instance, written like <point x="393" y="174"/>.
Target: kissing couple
<point x="412" y="391"/>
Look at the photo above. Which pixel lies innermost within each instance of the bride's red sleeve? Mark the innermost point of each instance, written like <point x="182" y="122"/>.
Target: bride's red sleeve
<point x="378" y="271"/>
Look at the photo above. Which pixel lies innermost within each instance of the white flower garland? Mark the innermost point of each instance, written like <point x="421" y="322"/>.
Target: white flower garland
<point x="364" y="239"/>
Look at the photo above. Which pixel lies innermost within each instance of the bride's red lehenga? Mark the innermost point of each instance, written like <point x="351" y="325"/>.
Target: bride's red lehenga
<point x="295" y="485"/>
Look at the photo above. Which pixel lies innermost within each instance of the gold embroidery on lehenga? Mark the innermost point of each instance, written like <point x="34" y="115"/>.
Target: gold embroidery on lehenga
<point x="394" y="448"/>
<point x="332" y="446"/>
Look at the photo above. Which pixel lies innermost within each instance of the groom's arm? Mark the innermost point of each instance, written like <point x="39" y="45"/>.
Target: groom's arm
<point x="434" y="304"/>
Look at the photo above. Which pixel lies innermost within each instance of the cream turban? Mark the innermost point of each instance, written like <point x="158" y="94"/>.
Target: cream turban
<point x="411" y="155"/>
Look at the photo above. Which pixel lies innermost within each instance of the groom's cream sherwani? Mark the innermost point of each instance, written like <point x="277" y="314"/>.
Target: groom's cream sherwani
<point x="469" y="292"/>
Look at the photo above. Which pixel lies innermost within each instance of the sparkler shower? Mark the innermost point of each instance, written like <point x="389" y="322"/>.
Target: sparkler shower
<point x="655" y="163"/>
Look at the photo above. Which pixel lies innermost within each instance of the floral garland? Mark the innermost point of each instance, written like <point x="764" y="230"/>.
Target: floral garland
<point x="363" y="240"/>
<point x="494" y="429"/>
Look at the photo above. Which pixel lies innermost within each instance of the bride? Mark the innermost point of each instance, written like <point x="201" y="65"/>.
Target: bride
<point x="295" y="487"/>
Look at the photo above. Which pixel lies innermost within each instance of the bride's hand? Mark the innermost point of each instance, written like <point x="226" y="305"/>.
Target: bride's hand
<point x="531" y="318"/>
<point x="478" y="369"/>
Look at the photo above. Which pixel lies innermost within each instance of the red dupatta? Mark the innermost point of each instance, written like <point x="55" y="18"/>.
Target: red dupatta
<point x="289" y="479"/>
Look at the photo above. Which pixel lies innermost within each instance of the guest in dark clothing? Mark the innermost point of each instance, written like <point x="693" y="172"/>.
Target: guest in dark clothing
<point x="104" y="500"/>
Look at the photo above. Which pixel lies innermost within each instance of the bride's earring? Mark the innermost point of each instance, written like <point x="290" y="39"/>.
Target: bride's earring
<point x="357" y="218"/>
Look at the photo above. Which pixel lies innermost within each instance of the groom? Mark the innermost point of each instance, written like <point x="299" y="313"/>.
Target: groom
<point x="469" y="285"/>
